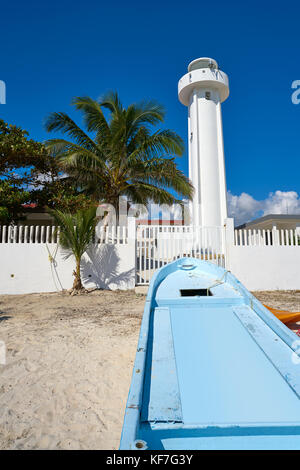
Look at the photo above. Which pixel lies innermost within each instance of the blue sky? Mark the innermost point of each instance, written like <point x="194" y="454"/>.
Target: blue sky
<point x="52" y="51"/>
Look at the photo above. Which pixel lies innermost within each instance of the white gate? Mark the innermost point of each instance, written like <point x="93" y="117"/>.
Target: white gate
<point x="159" y="245"/>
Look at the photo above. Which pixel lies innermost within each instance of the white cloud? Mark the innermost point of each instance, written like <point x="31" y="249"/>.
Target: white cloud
<point x="282" y="202"/>
<point x="244" y="207"/>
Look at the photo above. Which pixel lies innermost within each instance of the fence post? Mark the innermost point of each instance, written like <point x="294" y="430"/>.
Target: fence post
<point x="275" y="237"/>
<point x="229" y="241"/>
<point x="132" y="242"/>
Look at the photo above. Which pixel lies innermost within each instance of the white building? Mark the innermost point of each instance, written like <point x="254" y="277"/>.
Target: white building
<point x="274" y="221"/>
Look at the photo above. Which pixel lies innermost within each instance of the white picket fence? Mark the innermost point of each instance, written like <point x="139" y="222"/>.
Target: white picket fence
<point x="139" y="251"/>
<point x="267" y="237"/>
<point x="159" y="245"/>
<point x="50" y="234"/>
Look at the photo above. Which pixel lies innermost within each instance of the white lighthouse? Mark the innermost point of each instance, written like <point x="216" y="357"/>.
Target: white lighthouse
<point x="203" y="89"/>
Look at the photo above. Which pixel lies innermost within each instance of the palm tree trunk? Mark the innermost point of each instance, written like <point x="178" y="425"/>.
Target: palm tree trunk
<point x="77" y="285"/>
<point x="116" y="206"/>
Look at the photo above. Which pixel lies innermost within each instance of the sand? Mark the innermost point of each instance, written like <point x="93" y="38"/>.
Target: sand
<point x="69" y="364"/>
<point x="68" y="372"/>
<point x="284" y="300"/>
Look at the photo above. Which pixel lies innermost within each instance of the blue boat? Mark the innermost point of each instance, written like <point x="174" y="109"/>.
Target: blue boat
<point x="214" y="369"/>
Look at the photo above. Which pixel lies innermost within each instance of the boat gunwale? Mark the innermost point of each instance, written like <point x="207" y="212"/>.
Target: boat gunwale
<point x="135" y="396"/>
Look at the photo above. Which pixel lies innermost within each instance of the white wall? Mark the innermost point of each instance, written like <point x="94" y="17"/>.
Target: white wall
<point x="265" y="268"/>
<point x="25" y="268"/>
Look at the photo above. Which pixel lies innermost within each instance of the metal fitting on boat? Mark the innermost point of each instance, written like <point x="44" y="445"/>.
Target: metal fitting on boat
<point x="187" y="266"/>
<point x="139" y="445"/>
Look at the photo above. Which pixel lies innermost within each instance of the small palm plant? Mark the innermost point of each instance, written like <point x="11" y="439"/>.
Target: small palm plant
<point x="76" y="233"/>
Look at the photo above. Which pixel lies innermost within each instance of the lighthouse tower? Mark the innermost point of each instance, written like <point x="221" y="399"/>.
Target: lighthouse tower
<point x="203" y="89"/>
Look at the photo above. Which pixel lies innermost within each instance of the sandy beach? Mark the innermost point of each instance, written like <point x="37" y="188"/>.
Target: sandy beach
<point x="68" y="371"/>
<point x="69" y="364"/>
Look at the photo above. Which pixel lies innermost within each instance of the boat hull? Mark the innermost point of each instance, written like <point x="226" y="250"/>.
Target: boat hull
<point x="214" y="368"/>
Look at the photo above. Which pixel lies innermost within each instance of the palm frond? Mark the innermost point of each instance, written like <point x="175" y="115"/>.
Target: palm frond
<point x="111" y="101"/>
<point x="70" y="155"/>
<point x="62" y="122"/>
<point x="75" y="230"/>
<point x="163" y="141"/>
<point x="141" y="193"/>
<point x="93" y="116"/>
<point x="143" y="114"/>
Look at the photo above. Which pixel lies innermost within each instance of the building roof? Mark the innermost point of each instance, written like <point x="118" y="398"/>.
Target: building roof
<point x="271" y="218"/>
<point x="33" y="208"/>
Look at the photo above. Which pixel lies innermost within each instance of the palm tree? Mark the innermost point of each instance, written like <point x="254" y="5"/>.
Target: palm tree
<point x="75" y="235"/>
<point x="120" y="155"/>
